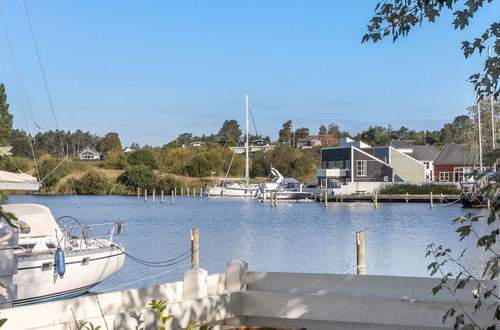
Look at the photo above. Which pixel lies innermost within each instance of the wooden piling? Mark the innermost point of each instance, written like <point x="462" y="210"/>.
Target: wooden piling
<point x="161" y="198"/>
<point x="145" y="194"/>
<point x="201" y="192"/>
<point x="175" y="190"/>
<point x="375" y="200"/>
<point x="138" y="193"/>
<point x="154" y="192"/>
<point x="194" y="192"/>
<point x="441" y="198"/>
<point x="195" y="248"/>
<point x="431" y="200"/>
<point x="173" y="197"/>
<point x="406" y="198"/>
<point x="360" y="252"/>
<point x="326" y="198"/>
<point x="182" y="191"/>
<point x="187" y="193"/>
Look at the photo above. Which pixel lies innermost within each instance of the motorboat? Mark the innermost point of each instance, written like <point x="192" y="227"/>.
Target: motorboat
<point x="282" y="188"/>
<point x="472" y="191"/>
<point x="59" y="259"/>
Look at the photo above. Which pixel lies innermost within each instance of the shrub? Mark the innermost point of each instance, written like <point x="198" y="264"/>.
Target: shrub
<point x="115" y="159"/>
<point x="167" y="184"/>
<point x="52" y="170"/>
<point x="138" y="177"/>
<point x="143" y="157"/>
<point x="92" y="183"/>
<point x="15" y="163"/>
<point x="420" y="189"/>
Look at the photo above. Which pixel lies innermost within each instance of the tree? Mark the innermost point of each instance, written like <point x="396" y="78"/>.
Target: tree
<point x="144" y="156"/>
<point x="230" y="132"/>
<point x="397" y="18"/>
<point x="285" y="133"/>
<point x="138" y="177"/>
<point x="5" y="118"/>
<point x="20" y="142"/>
<point x="109" y="142"/>
<point x="333" y="129"/>
<point x="92" y="183"/>
<point x="374" y="135"/>
<point x="302" y="132"/>
<point x="322" y="130"/>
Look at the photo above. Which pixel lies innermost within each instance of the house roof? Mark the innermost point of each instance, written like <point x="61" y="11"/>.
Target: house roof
<point x="455" y="154"/>
<point x="424" y="153"/>
<point x="401" y="144"/>
<point x="90" y="151"/>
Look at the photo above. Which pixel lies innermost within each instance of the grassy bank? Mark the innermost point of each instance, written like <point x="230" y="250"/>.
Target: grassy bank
<point x="424" y="189"/>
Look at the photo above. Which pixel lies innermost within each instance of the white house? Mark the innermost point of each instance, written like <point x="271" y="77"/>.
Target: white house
<point x="89" y="154"/>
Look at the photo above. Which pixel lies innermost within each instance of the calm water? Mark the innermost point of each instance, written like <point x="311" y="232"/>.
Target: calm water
<point x="303" y="237"/>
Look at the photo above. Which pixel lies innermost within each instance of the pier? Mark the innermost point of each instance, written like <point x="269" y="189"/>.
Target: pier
<point x="401" y="198"/>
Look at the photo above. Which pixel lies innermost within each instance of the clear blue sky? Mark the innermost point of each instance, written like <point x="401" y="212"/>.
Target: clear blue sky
<point x="151" y="70"/>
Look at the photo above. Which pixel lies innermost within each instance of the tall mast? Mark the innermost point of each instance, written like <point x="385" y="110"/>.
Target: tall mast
<point x="479" y="134"/>
<point x="493" y="138"/>
<point x="247" y="169"/>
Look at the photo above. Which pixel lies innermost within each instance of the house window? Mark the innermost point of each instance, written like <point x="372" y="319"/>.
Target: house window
<point x="460" y="172"/>
<point x="323" y="165"/>
<point x="386" y="178"/>
<point x="427" y="165"/>
<point x="348" y="165"/>
<point x="444" y="176"/>
<point x="330" y="164"/>
<point x="337" y="164"/>
<point x="361" y="169"/>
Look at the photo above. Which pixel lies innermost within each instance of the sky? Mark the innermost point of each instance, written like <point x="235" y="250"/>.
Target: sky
<point x="151" y="70"/>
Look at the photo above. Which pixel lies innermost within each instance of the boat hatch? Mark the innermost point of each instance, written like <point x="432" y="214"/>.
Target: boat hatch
<point x="85" y="261"/>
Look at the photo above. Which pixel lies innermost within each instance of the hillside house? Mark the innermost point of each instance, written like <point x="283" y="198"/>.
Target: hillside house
<point x="317" y="140"/>
<point x="453" y="163"/>
<point x="89" y="154"/>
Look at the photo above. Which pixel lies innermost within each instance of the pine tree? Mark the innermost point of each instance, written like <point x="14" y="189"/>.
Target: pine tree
<point x="5" y="118"/>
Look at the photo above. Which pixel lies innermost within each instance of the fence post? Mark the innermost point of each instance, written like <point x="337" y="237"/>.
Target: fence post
<point x="195" y="248"/>
<point x="360" y="252"/>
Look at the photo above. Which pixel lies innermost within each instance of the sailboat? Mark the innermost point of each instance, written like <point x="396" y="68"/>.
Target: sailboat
<point x="52" y="258"/>
<point x="232" y="189"/>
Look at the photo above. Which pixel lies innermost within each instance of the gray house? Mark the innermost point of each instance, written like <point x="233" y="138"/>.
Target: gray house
<point x="426" y="154"/>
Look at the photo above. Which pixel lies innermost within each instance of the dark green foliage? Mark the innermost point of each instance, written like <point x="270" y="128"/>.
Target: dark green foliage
<point x="285" y="133"/>
<point x="14" y="164"/>
<point x="52" y="170"/>
<point x="92" y="183"/>
<point x="322" y="130"/>
<point x="230" y="132"/>
<point x="259" y="167"/>
<point x="167" y="184"/>
<point x="20" y="142"/>
<point x="110" y="141"/>
<point x="139" y="176"/>
<point x="144" y="156"/>
<point x="5" y="118"/>
<point x="294" y="162"/>
<point x="424" y="189"/>
<point x="302" y="132"/>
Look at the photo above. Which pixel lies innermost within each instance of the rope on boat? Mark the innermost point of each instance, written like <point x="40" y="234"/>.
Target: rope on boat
<point x="165" y="263"/>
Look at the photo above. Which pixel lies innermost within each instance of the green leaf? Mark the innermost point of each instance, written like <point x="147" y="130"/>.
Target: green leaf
<point x="2" y="322"/>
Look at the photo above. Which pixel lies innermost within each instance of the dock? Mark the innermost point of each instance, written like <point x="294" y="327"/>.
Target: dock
<point x="399" y="198"/>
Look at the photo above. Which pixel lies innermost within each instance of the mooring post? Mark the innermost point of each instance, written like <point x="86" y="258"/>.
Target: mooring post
<point x="441" y="198"/>
<point x="488" y="203"/>
<point x="375" y="200"/>
<point x="406" y="198"/>
<point x="161" y="198"/>
<point x="360" y="252"/>
<point x="275" y="198"/>
<point x="175" y="190"/>
<point x="145" y="194"/>
<point x="195" y="248"/>
<point x="326" y="198"/>
<point x="173" y="197"/>
<point x="182" y="191"/>
<point x="138" y="193"/>
<point x="201" y="192"/>
<point x="194" y="192"/>
<point x="431" y="201"/>
<point x="154" y="192"/>
<point x="187" y="193"/>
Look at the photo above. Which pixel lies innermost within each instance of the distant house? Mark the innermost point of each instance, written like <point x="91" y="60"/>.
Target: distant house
<point x="426" y="154"/>
<point x="128" y="149"/>
<point x="89" y="154"/>
<point x="253" y="148"/>
<point x="453" y="163"/>
<point x="317" y="140"/>
<point x="259" y="142"/>
<point x="197" y="144"/>
<point x="348" y="163"/>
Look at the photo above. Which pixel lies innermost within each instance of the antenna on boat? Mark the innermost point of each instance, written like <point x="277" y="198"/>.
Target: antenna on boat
<point x="479" y="135"/>
<point x="247" y="170"/>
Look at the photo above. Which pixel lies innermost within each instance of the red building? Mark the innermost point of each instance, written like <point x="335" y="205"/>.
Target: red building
<point x="452" y="163"/>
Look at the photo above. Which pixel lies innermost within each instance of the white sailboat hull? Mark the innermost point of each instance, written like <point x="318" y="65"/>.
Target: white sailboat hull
<point x="233" y="191"/>
<point x="84" y="270"/>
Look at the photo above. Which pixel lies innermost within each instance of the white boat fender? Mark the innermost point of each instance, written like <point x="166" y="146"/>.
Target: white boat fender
<point x="60" y="263"/>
